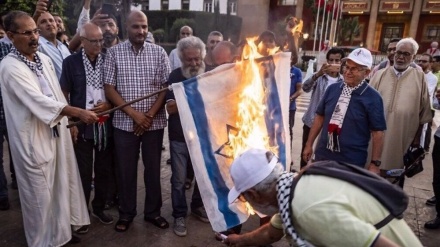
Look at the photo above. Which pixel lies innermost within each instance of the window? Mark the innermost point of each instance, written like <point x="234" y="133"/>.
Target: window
<point x="432" y="33"/>
<point x="185" y="4"/>
<point x="207" y="7"/>
<point x="233" y="7"/>
<point x="287" y="2"/>
<point x="145" y="4"/>
<point x="165" y="5"/>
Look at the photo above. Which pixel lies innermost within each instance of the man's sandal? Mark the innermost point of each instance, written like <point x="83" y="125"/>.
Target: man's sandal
<point x="122" y="225"/>
<point x="159" y="221"/>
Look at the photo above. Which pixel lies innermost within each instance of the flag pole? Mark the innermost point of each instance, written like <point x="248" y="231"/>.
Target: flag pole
<point x="123" y="105"/>
<point x="316" y="26"/>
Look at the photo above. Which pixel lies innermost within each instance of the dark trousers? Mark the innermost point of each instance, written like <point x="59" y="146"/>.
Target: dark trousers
<point x="305" y="137"/>
<point x="436" y="172"/>
<point x="127" y="147"/>
<point x="428" y="134"/>
<point x="92" y="160"/>
<point x="291" y="124"/>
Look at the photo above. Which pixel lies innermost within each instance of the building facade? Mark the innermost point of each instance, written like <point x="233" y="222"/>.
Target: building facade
<point x="192" y="5"/>
<point x="379" y="21"/>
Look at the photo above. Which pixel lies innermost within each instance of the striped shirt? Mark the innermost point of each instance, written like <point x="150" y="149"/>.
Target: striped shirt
<point x="135" y="75"/>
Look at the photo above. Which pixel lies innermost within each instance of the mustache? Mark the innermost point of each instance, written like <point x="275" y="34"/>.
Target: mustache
<point x="33" y="42"/>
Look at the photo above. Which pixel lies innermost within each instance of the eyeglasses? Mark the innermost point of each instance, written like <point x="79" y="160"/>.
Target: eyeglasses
<point x="353" y="70"/>
<point x="94" y="41"/>
<point x="422" y="61"/>
<point x="28" y="33"/>
<point x="186" y="34"/>
<point x="391" y="49"/>
<point x="403" y="54"/>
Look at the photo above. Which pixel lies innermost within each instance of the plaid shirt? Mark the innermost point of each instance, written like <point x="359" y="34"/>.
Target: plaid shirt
<point x="5" y="48"/>
<point x="135" y="75"/>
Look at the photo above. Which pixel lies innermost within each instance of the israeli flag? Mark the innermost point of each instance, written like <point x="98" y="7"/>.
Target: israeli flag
<point x="208" y="109"/>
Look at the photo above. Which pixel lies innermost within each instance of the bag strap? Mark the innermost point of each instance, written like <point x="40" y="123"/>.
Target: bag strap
<point x="296" y="179"/>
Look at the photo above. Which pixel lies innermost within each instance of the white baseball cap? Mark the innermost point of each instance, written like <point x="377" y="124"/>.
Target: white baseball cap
<point x="249" y="169"/>
<point x="361" y="56"/>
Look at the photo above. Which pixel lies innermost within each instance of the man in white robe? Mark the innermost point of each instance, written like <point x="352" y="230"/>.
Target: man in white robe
<point x="47" y="174"/>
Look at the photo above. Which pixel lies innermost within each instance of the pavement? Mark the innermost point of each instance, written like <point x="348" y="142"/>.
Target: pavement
<point x="418" y="188"/>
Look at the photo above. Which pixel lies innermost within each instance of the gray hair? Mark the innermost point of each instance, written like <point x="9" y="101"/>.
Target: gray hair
<point x="190" y="42"/>
<point x="266" y="185"/>
<point x="410" y="41"/>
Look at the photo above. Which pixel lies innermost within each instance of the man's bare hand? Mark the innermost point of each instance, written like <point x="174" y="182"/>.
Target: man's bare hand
<point x="232" y="240"/>
<point x="374" y="169"/>
<point x="101" y="106"/>
<point x="141" y="120"/>
<point x="41" y="7"/>
<point x="138" y="131"/>
<point x="99" y="19"/>
<point x="307" y="153"/>
<point x="87" y="116"/>
<point x="74" y="133"/>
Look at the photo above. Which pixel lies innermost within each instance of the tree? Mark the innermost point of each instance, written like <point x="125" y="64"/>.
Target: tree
<point x="349" y="28"/>
<point x="29" y="6"/>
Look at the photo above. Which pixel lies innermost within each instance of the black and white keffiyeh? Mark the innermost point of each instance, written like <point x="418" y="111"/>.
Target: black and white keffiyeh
<point x="94" y="95"/>
<point x="37" y="68"/>
<point x="284" y="184"/>
<point x="337" y="119"/>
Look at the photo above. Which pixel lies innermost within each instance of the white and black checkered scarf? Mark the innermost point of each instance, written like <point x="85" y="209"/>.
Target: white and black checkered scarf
<point x="284" y="184"/>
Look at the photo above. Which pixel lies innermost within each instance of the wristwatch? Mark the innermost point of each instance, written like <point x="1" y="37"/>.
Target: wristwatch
<point x="376" y="162"/>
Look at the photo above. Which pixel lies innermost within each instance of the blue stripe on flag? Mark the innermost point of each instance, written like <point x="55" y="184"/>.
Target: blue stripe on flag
<point x="274" y="116"/>
<point x="196" y="104"/>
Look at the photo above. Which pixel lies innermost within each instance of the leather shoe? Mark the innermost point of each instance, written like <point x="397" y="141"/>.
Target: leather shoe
<point x="433" y="224"/>
<point x="431" y="201"/>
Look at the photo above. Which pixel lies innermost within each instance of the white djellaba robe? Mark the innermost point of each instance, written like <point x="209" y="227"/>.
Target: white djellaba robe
<point x="49" y="184"/>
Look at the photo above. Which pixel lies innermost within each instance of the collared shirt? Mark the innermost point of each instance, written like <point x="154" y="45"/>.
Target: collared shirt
<point x="5" y="48"/>
<point x="135" y="75"/>
<point x="56" y="53"/>
<point x="319" y="87"/>
<point x="5" y="40"/>
<point x="365" y="113"/>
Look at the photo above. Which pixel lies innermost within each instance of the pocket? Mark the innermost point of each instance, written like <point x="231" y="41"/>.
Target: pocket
<point x="42" y="145"/>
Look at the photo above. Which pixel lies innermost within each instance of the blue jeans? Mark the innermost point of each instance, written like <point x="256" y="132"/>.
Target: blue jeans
<point x="180" y="159"/>
<point x="3" y="181"/>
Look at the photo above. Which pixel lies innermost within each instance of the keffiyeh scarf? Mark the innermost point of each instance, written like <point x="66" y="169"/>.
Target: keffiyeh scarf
<point x="95" y="95"/>
<point x="37" y="68"/>
<point x="337" y="119"/>
<point x="284" y="185"/>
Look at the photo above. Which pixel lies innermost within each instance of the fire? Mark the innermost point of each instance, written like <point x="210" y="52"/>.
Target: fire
<point x="251" y="108"/>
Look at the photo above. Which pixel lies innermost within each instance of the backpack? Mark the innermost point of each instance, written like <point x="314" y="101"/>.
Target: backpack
<point x="392" y="197"/>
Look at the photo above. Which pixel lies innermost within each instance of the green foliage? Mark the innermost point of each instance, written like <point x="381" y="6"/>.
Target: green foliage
<point x="348" y="29"/>
<point x="159" y="35"/>
<point x="179" y="23"/>
<point x="229" y="26"/>
<point x="29" y="6"/>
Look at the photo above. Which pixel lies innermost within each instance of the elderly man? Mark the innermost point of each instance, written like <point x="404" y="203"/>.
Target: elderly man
<point x="391" y="51"/>
<point x="433" y="51"/>
<point x="48" y="43"/>
<point x="141" y="125"/>
<point x="82" y="85"/>
<point x="349" y="114"/>
<point x="318" y="83"/>
<point x="347" y="210"/>
<point x="35" y="108"/>
<point x="175" y="63"/>
<point x="407" y="105"/>
<point x="224" y="52"/>
<point x="214" y="38"/>
<point x="191" y="51"/>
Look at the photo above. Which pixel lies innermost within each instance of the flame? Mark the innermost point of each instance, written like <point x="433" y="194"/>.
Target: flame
<point x="251" y="107"/>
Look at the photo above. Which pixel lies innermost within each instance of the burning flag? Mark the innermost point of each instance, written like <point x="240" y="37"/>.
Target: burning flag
<point x="226" y="111"/>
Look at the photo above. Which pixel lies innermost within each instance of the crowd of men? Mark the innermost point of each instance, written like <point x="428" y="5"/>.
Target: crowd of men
<point x="364" y="116"/>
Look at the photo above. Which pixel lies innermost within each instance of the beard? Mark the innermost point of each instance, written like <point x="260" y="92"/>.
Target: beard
<point x="267" y="209"/>
<point x="109" y="37"/>
<point x="190" y="72"/>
